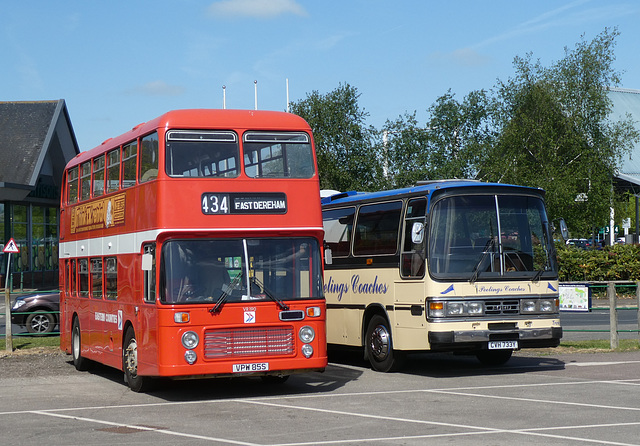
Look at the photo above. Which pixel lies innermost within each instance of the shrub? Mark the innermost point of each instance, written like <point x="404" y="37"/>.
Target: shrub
<point x="618" y="262"/>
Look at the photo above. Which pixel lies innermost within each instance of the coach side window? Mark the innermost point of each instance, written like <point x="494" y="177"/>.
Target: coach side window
<point x="149" y="158"/>
<point x="129" y="161"/>
<point x="377" y="229"/>
<point x="338" y="224"/>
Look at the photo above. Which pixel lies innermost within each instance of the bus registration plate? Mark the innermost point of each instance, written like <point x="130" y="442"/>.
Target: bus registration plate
<point x="253" y="367"/>
<point x="501" y="345"/>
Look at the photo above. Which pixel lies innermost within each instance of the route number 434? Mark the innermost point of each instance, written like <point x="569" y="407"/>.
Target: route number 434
<point x="215" y="204"/>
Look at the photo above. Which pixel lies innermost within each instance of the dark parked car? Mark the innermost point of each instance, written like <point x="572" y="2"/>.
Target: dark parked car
<point x="39" y="313"/>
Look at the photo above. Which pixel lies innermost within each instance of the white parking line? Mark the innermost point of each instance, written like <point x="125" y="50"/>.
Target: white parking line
<point x="146" y="428"/>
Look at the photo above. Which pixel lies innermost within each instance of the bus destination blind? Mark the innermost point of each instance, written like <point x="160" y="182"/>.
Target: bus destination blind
<point x="215" y="203"/>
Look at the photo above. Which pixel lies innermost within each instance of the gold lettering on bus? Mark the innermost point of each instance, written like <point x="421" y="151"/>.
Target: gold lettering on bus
<point x="98" y="214"/>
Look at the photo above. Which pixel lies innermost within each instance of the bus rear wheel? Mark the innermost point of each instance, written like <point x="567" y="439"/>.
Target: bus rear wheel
<point x="136" y="382"/>
<point x="80" y="363"/>
<point x="379" y="346"/>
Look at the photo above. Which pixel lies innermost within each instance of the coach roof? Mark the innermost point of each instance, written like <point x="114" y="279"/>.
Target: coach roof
<point x="424" y="188"/>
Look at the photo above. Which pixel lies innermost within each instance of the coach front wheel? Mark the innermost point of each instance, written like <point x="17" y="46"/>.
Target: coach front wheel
<point x="379" y="346"/>
<point x="136" y="382"/>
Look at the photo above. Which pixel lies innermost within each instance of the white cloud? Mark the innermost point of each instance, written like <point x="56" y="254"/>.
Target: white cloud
<point x="157" y="88"/>
<point x="256" y="8"/>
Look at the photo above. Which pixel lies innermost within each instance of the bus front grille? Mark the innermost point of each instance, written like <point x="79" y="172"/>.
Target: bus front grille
<point x="243" y="342"/>
<point x="502" y="307"/>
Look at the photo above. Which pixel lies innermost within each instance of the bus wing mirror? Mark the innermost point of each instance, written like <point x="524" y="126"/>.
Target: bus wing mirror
<point x="564" y="230"/>
<point x="147" y="262"/>
<point x="417" y="232"/>
<point x="328" y="258"/>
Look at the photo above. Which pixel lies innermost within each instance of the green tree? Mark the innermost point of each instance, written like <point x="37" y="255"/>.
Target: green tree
<point x="347" y="151"/>
<point x="554" y="132"/>
<point x="451" y="145"/>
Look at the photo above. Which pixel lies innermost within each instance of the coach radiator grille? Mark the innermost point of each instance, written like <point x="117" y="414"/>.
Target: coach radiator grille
<point x="502" y="307"/>
<point x="248" y="342"/>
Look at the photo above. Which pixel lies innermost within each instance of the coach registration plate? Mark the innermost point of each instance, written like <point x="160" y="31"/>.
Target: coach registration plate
<point x="253" y="367"/>
<point x="501" y="345"/>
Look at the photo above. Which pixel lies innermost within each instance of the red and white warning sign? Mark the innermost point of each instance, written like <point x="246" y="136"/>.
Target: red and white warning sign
<point x="11" y="247"/>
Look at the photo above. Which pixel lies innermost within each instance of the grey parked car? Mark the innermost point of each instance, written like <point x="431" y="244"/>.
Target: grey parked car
<point x="39" y="313"/>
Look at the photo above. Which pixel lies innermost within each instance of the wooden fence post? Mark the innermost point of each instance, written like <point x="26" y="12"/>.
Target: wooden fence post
<point x="613" y="314"/>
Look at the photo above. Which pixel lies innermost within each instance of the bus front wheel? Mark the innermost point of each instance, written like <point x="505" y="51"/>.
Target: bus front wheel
<point x="136" y="382"/>
<point x="81" y="364"/>
<point x="379" y="346"/>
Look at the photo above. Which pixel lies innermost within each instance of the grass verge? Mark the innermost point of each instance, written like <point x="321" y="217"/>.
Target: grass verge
<point x="624" y="345"/>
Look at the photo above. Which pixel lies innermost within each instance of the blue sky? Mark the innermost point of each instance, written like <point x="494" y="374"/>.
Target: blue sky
<point x="118" y="64"/>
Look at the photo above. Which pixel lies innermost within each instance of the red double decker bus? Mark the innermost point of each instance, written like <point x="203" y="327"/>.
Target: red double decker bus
<point x="190" y="246"/>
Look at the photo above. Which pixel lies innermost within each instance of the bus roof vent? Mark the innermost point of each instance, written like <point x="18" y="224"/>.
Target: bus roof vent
<point x="329" y="198"/>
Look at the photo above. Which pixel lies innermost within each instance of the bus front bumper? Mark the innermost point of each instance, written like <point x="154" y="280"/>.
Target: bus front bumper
<point x="478" y="339"/>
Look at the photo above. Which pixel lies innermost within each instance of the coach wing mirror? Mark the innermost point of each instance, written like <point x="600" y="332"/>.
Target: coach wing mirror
<point x="147" y="262"/>
<point x="564" y="230"/>
<point x="328" y="258"/>
<point x="417" y="232"/>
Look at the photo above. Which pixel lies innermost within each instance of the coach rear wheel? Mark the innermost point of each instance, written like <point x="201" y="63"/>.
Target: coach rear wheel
<point x="130" y="364"/>
<point x="79" y="362"/>
<point x="379" y="346"/>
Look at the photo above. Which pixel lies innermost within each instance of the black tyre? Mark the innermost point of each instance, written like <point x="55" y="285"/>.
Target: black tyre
<point x="494" y="357"/>
<point x="379" y="346"/>
<point x="40" y="323"/>
<point x="79" y="361"/>
<point x="136" y="382"/>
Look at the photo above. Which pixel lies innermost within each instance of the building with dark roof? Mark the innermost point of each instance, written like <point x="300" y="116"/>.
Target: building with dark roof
<point x="36" y="143"/>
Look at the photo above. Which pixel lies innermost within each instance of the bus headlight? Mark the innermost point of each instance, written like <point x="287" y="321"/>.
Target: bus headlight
<point x="475" y="308"/>
<point x="455" y="308"/>
<point x="528" y="306"/>
<point x="190" y="339"/>
<point x="306" y="334"/>
<point x="307" y="350"/>
<point x="190" y="356"/>
<point x="547" y="306"/>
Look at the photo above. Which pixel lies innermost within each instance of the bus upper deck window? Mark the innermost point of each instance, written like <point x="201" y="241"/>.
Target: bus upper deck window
<point x="278" y="155"/>
<point x="202" y="154"/>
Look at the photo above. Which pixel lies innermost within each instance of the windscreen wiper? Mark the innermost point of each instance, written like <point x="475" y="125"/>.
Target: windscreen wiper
<point x="226" y="290"/>
<point x="536" y="277"/>
<point x="270" y="295"/>
<point x="485" y="252"/>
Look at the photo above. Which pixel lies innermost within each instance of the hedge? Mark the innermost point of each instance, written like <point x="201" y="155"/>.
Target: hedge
<point x="618" y="262"/>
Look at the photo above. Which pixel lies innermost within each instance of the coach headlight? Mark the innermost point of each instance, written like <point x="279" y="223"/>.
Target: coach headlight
<point x="190" y="340"/>
<point x="306" y="334"/>
<point x="475" y="308"/>
<point x="547" y="306"/>
<point x="528" y="306"/>
<point x="455" y="308"/>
